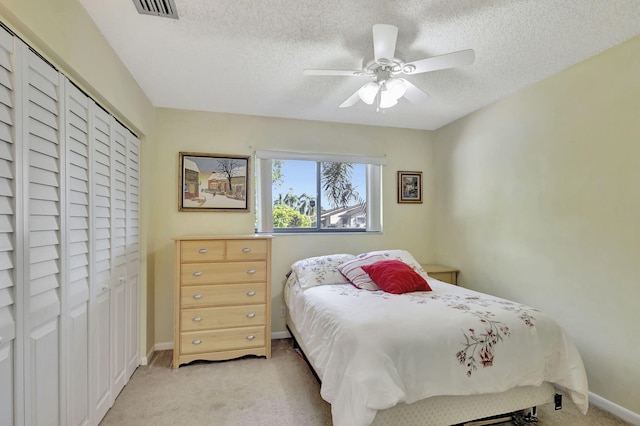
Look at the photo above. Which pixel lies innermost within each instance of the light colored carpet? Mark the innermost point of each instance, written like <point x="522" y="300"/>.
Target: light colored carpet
<point x="255" y="391"/>
<point x="251" y="391"/>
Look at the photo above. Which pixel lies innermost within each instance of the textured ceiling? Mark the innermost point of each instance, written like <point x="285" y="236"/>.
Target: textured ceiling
<point x="247" y="56"/>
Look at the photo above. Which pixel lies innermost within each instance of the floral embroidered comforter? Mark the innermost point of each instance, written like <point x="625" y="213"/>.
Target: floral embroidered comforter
<point x="373" y="350"/>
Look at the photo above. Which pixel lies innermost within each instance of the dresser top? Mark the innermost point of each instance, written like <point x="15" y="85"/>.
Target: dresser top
<point x="223" y="237"/>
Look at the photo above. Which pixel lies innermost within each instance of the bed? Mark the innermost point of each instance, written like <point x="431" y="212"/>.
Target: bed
<point x="439" y="355"/>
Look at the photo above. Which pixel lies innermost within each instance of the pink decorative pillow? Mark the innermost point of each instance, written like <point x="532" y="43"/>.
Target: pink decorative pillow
<point x="352" y="270"/>
<point x="395" y="276"/>
<point x="402" y="255"/>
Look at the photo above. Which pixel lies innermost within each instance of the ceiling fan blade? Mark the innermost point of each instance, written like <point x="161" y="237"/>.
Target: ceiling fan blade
<point x="441" y="62"/>
<point x="346" y="73"/>
<point x="414" y="94"/>
<point x="351" y="101"/>
<point x="384" y="43"/>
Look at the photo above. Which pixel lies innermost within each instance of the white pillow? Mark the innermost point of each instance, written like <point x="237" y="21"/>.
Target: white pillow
<point x="402" y="255"/>
<point x="321" y="270"/>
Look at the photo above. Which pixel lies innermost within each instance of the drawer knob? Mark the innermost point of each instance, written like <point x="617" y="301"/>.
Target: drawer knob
<point x="197" y="273"/>
<point x="251" y="271"/>
<point x="246" y="250"/>
<point x="251" y="337"/>
<point x="251" y="293"/>
<point x="197" y="319"/>
<point x="203" y="250"/>
<point x="197" y="296"/>
<point x="251" y="315"/>
<point x="197" y="342"/>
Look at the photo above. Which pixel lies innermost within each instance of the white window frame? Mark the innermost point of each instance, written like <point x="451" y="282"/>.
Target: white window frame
<point x="264" y="205"/>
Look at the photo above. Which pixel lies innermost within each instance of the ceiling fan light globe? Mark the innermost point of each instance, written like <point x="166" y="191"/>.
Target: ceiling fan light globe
<point x="387" y="100"/>
<point x="368" y="92"/>
<point x="396" y="87"/>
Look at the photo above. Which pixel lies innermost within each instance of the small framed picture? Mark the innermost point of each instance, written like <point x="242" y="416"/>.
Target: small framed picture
<point x="409" y="187"/>
<point x="213" y="182"/>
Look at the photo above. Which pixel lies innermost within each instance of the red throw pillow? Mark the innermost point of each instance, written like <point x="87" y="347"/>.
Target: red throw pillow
<point x="395" y="276"/>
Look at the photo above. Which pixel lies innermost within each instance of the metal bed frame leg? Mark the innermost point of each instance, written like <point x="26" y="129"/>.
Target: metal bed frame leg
<point x="532" y="415"/>
<point x="527" y="417"/>
<point x="296" y="346"/>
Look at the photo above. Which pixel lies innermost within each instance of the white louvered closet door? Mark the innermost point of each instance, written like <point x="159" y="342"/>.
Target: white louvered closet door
<point x="118" y="256"/>
<point x="42" y="258"/>
<point x="78" y="240"/>
<point x="69" y="247"/>
<point x="101" y="396"/>
<point x="8" y="258"/>
<point x="133" y="253"/>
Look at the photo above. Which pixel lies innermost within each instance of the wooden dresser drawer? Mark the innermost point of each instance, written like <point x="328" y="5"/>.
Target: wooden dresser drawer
<point x="221" y="340"/>
<point x="224" y="317"/>
<point x="199" y="251"/>
<point x="202" y="251"/>
<point x="246" y="249"/>
<point x="230" y="272"/>
<point x="223" y="294"/>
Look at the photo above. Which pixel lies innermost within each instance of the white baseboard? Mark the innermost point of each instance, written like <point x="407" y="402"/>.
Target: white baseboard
<point x="280" y="335"/>
<point x="164" y="346"/>
<point x="618" y="411"/>
<point x="144" y="360"/>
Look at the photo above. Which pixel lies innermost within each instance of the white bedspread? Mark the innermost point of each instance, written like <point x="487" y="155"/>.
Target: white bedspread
<point x="373" y="350"/>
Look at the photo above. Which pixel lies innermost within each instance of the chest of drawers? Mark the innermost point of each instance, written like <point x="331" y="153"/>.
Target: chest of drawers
<point x="222" y="298"/>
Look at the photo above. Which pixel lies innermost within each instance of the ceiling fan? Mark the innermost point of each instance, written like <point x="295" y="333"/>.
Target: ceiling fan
<point x="386" y="69"/>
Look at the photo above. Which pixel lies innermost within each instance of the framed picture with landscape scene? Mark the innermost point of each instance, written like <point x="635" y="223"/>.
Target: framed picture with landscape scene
<point x="410" y="187"/>
<point x="213" y="182"/>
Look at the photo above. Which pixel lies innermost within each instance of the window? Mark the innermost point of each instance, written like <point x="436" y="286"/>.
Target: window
<point x="317" y="192"/>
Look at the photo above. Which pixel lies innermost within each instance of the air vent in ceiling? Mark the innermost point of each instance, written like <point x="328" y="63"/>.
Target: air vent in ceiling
<point x="165" y="8"/>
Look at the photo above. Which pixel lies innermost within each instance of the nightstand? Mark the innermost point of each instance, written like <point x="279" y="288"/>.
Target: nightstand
<point x="442" y="273"/>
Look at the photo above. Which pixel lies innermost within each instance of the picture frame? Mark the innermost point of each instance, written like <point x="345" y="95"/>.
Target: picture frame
<point x="410" y="187"/>
<point x="213" y="182"/>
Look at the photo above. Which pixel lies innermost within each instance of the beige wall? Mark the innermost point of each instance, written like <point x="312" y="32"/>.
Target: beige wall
<point x="405" y="226"/>
<point x="62" y="32"/>
<point x="537" y="196"/>
<point x="538" y="200"/>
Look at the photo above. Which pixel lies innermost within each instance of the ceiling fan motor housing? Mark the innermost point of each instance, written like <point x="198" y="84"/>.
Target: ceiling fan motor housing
<point x="395" y="66"/>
